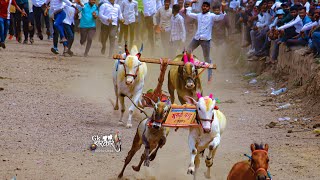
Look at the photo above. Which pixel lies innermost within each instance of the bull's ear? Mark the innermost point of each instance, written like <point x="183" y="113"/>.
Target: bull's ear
<point x="266" y="147"/>
<point x="253" y="147"/>
<point x="190" y="100"/>
<point x="153" y="103"/>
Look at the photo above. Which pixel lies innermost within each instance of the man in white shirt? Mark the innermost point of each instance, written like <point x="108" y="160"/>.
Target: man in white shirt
<point x="306" y="4"/>
<point x="164" y="15"/>
<point x="59" y="15"/>
<point x="197" y="6"/>
<point x="129" y="10"/>
<point x="177" y="31"/>
<point x="203" y="35"/>
<point x="68" y="24"/>
<point x="149" y="9"/>
<point x="109" y="14"/>
<point x="38" y="13"/>
<point x="259" y="31"/>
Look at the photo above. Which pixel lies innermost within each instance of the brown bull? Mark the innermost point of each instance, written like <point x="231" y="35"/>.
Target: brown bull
<point x="151" y="134"/>
<point x="185" y="79"/>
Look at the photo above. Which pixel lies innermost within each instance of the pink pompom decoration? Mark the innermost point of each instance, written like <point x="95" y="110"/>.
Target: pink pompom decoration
<point x="199" y="95"/>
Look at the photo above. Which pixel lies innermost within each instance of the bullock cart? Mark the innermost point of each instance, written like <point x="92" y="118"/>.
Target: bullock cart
<point x="180" y="116"/>
<point x="157" y="93"/>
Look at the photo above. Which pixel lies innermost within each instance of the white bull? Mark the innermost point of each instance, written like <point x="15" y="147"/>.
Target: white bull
<point x="212" y="124"/>
<point x="128" y="80"/>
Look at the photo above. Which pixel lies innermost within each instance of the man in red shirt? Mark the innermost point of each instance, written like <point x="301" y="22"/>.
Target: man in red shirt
<point x="5" y="19"/>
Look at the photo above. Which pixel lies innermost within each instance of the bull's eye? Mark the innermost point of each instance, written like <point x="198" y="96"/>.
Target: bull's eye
<point x="199" y="108"/>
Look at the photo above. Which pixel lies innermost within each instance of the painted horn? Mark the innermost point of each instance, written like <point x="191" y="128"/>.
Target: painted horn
<point x="139" y="53"/>
<point x="185" y="57"/>
<point x="199" y="95"/>
<point x="211" y="96"/>
<point x="191" y="58"/>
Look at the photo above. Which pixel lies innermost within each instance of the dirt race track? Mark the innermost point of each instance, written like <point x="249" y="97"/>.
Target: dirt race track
<point x="51" y="106"/>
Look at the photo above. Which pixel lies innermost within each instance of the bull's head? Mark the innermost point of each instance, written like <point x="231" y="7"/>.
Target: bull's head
<point x="188" y="72"/>
<point x="131" y="64"/>
<point x="160" y="112"/>
<point x="205" y="110"/>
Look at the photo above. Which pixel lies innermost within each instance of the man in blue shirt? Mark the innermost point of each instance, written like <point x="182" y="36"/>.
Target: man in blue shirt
<point x="89" y="14"/>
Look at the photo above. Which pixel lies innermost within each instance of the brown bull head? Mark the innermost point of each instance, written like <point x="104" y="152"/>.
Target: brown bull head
<point x="188" y="72"/>
<point x="160" y="112"/>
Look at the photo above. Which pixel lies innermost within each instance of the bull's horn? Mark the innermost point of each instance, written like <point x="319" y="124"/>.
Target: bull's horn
<point x="139" y="54"/>
<point x="141" y="48"/>
<point x="185" y="57"/>
<point x="211" y="96"/>
<point x="191" y="58"/>
<point x="199" y="95"/>
<point x="126" y="48"/>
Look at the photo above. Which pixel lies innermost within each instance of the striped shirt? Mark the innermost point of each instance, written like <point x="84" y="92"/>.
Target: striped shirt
<point x="178" y="30"/>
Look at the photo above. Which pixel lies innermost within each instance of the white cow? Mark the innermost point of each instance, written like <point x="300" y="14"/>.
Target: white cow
<point x="207" y="135"/>
<point x="128" y="80"/>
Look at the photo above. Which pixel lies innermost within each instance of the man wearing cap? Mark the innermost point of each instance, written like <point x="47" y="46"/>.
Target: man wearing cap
<point x="203" y="35"/>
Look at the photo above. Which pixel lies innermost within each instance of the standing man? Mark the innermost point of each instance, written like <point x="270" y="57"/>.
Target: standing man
<point x="38" y="13"/>
<point x="23" y="4"/>
<point x="31" y="23"/>
<point x="89" y="14"/>
<point x="203" y="34"/>
<point x="149" y="11"/>
<point x="197" y="6"/>
<point x="5" y="19"/>
<point x="109" y="15"/>
<point x="189" y="23"/>
<point x="129" y="10"/>
<point x="177" y="32"/>
<point x="164" y="15"/>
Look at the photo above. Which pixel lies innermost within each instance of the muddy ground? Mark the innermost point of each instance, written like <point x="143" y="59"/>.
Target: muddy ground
<point x="51" y="106"/>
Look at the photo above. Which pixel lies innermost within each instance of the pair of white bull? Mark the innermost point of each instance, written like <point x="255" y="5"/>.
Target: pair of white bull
<point x="129" y="76"/>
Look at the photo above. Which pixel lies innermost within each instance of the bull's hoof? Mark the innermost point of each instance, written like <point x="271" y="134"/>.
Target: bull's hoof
<point x="190" y="170"/>
<point x="208" y="176"/>
<point x="152" y="156"/>
<point x="136" y="168"/>
<point x="146" y="163"/>
<point x="129" y="126"/>
<point x="116" y="108"/>
<point x="120" y="176"/>
<point x="120" y="123"/>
